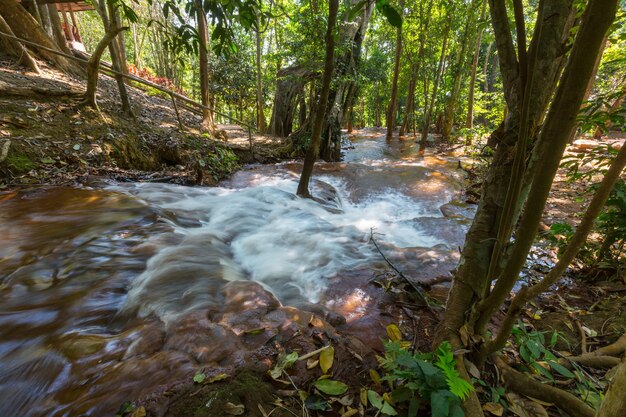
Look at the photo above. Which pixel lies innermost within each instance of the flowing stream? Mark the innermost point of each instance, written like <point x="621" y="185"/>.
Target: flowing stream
<point x="100" y="288"/>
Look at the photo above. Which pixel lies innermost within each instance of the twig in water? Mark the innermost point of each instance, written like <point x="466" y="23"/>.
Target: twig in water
<point x="419" y="290"/>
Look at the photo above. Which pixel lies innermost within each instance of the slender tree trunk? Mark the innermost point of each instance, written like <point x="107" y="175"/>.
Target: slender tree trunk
<point x="410" y="100"/>
<point x="260" y="116"/>
<point x="469" y="122"/>
<point x="486" y="68"/>
<point x="46" y="24"/>
<point x="313" y="151"/>
<point x="118" y="59"/>
<point x="59" y="36"/>
<point x="459" y="69"/>
<point x="428" y="113"/>
<point x="207" y="116"/>
<point x="391" y="110"/>
<point x="94" y="63"/>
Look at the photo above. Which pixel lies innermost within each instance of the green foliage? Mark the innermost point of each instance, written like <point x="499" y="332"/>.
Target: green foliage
<point x="539" y="359"/>
<point x="423" y="380"/>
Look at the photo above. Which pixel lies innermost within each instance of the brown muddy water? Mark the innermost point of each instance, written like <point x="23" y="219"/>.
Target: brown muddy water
<point x="108" y="293"/>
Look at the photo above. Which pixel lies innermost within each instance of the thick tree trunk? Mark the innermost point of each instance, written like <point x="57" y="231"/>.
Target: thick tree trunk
<point x="26" y="27"/>
<point x="313" y="151"/>
<point x="290" y="83"/>
<point x="17" y="49"/>
<point x="393" y="101"/>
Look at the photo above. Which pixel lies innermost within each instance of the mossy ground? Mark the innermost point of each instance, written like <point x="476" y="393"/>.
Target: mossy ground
<point x="54" y="139"/>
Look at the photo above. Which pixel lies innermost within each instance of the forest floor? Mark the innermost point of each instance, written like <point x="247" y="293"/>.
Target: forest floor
<point x="48" y="137"/>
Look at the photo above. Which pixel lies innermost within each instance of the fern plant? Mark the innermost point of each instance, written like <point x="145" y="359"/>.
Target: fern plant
<point x="423" y="380"/>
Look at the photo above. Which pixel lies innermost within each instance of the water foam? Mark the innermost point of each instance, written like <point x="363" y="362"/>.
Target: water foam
<point x="268" y="234"/>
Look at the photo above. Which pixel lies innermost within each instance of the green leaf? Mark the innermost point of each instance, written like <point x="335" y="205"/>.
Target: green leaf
<point x="393" y="17"/>
<point x="331" y="387"/>
<point x="401" y="394"/>
<point x="284" y="361"/>
<point x="315" y="402"/>
<point x="375" y="399"/>
<point x="388" y="409"/>
<point x="440" y="403"/>
<point x="199" y="377"/>
<point x="413" y="407"/>
<point x="561" y="369"/>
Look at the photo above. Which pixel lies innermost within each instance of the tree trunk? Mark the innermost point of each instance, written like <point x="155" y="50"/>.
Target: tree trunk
<point x="94" y="63"/>
<point x="428" y="113"/>
<point x="57" y="30"/>
<point x="260" y="116"/>
<point x="110" y="21"/>
<point x="410" y="100"/>
<point x="17" y="49"/>
<point x="313" y="151"/>
<point x="391" y="110"/>
<point x="290" y="83"/>
<point x="207" y="115"/>
<point x="486" y="68"/>
<point x="469" y="121"/>
<point x="46" y="24"/>
<point x="26" y="27"/>
<point x="351" y="35"/>
<point x="31" y="7"/>
<point x="471" y="302"/>
<point x="614" y="403"/>
<point x="459" y="69"/>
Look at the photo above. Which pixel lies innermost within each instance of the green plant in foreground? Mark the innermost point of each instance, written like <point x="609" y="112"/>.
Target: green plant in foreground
<point x="421" y="380"/>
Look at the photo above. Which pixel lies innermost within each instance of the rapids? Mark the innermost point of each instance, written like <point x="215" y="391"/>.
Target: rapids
<point x="100" y="288"/>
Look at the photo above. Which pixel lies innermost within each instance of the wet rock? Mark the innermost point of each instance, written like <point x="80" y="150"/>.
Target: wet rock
<point x="458" y="209"/>
<point x="78" y="346"/>
<point x="149" y="341"/>
<point x="330" y="316"/>
<point x="206" y="342"/>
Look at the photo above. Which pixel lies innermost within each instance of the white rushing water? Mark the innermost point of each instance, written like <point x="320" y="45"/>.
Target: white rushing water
<point x="266" y="233"/>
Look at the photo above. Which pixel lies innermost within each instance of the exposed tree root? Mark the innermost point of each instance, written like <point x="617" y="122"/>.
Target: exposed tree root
<point x="614" y="403"/>
<point x="592" y="361"/>
<point x="616" y="348"/>
<point x="522" y="384"/>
